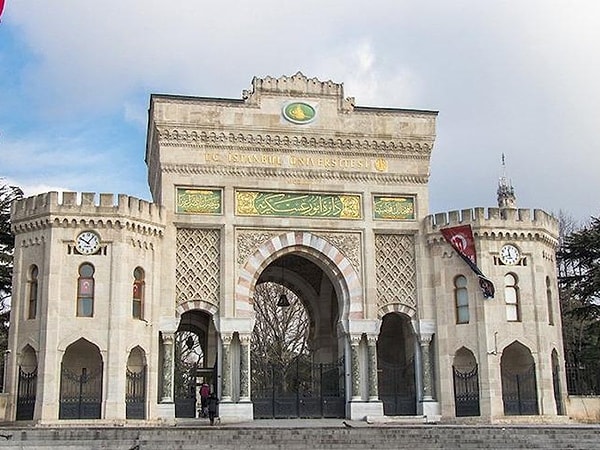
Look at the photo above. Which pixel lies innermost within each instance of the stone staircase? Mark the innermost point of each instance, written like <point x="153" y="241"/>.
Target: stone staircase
<point x="307" y="435"/>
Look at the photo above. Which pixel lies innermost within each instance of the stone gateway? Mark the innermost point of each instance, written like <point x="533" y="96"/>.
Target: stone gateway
<point x="122" y="308"/>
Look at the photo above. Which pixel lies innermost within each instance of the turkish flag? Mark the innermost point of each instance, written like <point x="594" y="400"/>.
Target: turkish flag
<point x="461" y="238"/>
<point x="1" y="7"/>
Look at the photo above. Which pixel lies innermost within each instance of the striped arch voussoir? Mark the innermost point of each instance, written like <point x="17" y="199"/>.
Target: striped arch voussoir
<point x="298" y="241"/>
<point x="196" y="305"/>
<point x="396" y="308"/>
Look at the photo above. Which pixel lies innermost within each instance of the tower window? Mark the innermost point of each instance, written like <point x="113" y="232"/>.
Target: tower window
<point x="138" y="293"/>
<point x="511" y="298"/>
<point x="85" y="291"/>
<point x="549" y="299"/>
<point x="461" y="299"/>
<point x="33" y="292"/>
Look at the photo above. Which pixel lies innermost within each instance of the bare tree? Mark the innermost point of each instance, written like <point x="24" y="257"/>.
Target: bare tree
<point x="280" y="335"/>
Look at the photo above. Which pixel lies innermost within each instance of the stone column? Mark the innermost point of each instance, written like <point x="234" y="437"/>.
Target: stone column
<point x="167" y="367"/>
<point x="226" y="370"/>
<point x="355" y="367"/>
<point x="425" y="341"/>
<point x="245" y="368"/>
<point x="373" y="374"/>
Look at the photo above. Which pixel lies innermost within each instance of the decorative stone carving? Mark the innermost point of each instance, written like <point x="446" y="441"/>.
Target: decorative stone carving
<point x="167" y="368"/>
<point x="355" y="363"/>
<point x="395" y="269"/>
<point x="349" y="244"/>
<point x="226" y="361"/>
<point x="350" y="146"/>
<point x="248" y="242"/>
<point x="245" y="367"/>
<point x="373" y="374"/>
<point x="197" y="272"/>
<point x="425" y="341"/>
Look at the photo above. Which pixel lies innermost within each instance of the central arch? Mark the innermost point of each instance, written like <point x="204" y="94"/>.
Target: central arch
<point x="306" y="380"/>
<point x="329" y="258"/>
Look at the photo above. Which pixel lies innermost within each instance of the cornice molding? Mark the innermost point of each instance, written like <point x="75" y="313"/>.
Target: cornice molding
<point x="195" y="137"/>
<point x="308" y="174"/>
<point x="99" y="223"/>
<point x="502" y="235"/>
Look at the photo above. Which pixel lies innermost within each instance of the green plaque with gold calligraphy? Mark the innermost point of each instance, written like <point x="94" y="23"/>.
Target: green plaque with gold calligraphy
<point x="393" y="208"/>
<point x="199" y="201"/>
<point x="298" y="204"/>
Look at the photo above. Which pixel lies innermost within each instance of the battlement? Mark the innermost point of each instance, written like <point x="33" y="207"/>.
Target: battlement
<point x="498" y="218"/>
<point x="296" y="84"/>
<point x="86" y="203"/>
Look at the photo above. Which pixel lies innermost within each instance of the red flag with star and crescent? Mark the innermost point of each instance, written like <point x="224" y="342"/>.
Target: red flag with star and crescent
<point x="461" y="239"/>
<point x="1" y="8"/>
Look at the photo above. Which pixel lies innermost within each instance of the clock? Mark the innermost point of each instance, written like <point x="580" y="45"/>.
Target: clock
<point x="510" y="255"/>
<point x="87" y="242"/>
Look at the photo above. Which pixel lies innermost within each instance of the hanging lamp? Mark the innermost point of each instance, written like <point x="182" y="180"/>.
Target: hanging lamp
<point x="283" y="300"/>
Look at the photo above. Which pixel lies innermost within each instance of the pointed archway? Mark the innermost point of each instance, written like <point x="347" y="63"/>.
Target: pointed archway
<point x="556" y="383"/>
<point x="27" y="388"/>
<point x="195" y="360"/>
<point x="396" y="366"/>
<point x="519" y="386"/>
<point x="466" y="383"/>
<point x="296" y="357"/>
<point x="135" y="392"/>
<point x="81" y="381"/>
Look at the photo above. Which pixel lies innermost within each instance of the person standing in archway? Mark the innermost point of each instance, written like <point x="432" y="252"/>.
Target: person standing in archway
<point x="213" y="401"/>
<point x="204" y="394"/>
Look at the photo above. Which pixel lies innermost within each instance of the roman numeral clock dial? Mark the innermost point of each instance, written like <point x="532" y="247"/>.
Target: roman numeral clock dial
<point x="87" y="242"/>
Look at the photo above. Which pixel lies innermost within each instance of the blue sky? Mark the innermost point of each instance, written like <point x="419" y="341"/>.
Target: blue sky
<point x="519" y="78"/>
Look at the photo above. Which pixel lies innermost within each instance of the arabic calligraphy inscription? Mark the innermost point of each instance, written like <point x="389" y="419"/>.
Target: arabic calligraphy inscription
<point x="298" y="204"/>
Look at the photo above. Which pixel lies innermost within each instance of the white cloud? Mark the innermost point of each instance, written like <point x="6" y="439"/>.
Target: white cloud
<point x="513" y="77"/>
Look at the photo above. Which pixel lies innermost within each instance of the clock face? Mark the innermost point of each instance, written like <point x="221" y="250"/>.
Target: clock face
<point x="509" y="254"/>
<point x="87" y="243"/>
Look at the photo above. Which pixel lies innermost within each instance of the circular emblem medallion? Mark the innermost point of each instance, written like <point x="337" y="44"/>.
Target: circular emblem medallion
<point x="381" y="165"/>
<point x="299" y="112"/>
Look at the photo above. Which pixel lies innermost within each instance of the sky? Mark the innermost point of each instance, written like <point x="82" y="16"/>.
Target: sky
<point x="507" y="76"/>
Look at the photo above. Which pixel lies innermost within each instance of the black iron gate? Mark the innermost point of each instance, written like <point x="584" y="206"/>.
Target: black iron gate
<point x="466" y="392"/>
<point x="397" y="388"/>
<point x="135" y="395"/>
<point x="80" y="394"/>
<point x="185" y="393"/>
<point x="519" y="392"/>
<point x="556" y="387"/>
<point x="26" y="394"/>
<point x="298" y="389"/>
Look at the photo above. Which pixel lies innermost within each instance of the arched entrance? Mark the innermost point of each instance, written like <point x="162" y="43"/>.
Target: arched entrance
<point x="26" y="391"/>
<point x="396" y="366"/>
<point x="81" y="381"/>
<point x="195" y="361"/>
<point x="466" y="383"/>
<point x="296" y="354"/>
<point x="556" y="383"/>
<point x="519" y="387"/>
<point x="135" y="393"/>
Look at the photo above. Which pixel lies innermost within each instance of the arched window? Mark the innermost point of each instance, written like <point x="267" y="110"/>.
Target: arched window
<point x="85" y="291"/>
<point x="511" y="298"/>
<point x="138" y="293"/>
<point x="549" y="299"/>
<point x="461" y="299"/>
<point x="33" y="292"/>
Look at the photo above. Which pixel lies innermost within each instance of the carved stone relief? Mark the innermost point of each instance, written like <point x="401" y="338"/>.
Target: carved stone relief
<point x="198" y="267"/>
<point x="395" y="269"/>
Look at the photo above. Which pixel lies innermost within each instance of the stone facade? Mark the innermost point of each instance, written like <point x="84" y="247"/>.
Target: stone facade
<point x="295" y="184"/>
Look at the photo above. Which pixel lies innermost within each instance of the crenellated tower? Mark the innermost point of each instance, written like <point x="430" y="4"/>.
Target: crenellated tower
<point x="514" y="337"/>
